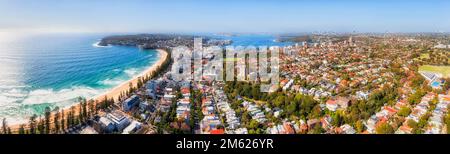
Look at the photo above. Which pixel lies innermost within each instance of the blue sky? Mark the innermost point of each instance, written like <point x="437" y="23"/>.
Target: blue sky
<point x="225" y="15"/>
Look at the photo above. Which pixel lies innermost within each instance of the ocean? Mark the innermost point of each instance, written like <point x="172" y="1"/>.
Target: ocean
<point x="53" y="70"/>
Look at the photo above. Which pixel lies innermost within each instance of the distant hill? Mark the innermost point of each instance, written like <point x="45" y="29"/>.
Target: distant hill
<point x="156" y="41"/>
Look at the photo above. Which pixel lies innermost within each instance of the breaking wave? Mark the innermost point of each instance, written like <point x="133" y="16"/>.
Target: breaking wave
<point x="111" y="82"/>
<point x="96" y="44"/>
<point x="40" y="96"/>
<point x="132" y="72"/>
<point x="16" y="105"/>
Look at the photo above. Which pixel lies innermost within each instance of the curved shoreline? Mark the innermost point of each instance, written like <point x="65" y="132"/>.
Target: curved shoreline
<point x="112" y="93"/>
<point x="115" y="92"/>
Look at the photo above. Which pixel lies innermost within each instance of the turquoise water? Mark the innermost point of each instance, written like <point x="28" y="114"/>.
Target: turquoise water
<point x="435" y="84"/>
<point x="53" y="70"/>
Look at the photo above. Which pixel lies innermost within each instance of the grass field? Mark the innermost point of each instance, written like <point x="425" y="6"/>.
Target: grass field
<point x="425" y="56"/>
<point x="444" y="70"/>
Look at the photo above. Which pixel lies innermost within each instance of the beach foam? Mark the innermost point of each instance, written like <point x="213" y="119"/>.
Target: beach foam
<point x="17" y="105"/>
<point x="41" y="96"/>
<point x="8" y="96"/>
<point x="96" y="44"/>
<point x="19" y="97"/>
<point x="132" y="72"/>
<point x="111" y="82"/>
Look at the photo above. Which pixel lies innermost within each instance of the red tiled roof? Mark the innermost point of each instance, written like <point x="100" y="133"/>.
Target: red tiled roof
<point x="331" y="102"/>
<point x="288" y="128"/>
<point x="217" y="131"/>
<point x="185" y="90"/>
<point x="405" y="128"/>
<point x="390" y="109"/>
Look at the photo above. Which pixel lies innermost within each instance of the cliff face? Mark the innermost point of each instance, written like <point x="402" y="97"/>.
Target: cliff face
<point x="155" y="41"/>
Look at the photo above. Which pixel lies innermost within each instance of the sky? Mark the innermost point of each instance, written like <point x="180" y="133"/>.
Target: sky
<point x="279" y="16"/>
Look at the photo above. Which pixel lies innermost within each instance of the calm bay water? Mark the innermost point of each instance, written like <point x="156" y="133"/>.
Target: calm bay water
<point x="53" y="70"/>
<point x="254" y="40"/>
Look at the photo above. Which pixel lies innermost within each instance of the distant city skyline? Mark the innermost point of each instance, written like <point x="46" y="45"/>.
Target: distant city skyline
<point x="189" y="16"/>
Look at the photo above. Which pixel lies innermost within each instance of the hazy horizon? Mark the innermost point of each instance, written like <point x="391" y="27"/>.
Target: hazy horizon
<point x="249" y="16"/>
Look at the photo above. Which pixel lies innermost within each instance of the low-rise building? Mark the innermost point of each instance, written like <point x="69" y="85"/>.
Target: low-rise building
<point x="347" y="129"/>
<point x="119" y="120"/>
<point x="130" y="103"/>
<point x="331" y="105"/>
<point x="132" y="128"/>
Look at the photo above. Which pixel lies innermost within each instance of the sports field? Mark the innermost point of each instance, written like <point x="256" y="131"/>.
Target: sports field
<point x="444" y="70"/>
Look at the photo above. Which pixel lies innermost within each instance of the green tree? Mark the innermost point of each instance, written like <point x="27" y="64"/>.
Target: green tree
<point x="337" y="119"/>
<point x="316" y="112"/>
<point x="447" y="122"/>
<point x="41" y="125"/>
<point x="404" y="111"/>
<point x="4" y="126"/>
<point x="359" y="126"/>
<point x="131" y="89"/>
<point x="22" y="129"/>
<point x="72" y="116"/>
<point x="32" y="124"/>
<point x="306" y="106"/>
<point x="416" y="97"/>
<point x="291" y="108"/>
<point x="413" y="124"/>
<point x="256" y="92"/>
<point x="47" y="120"/>
<point x="384" y="128"/>
<point x="91" y="108"/>
<point x="56" y="121"/>
<point x="422" y="123"/>
<point x="85" y="110"/>
<point x="81" y="112"/>
<point x="63" y="120"/>
<point x="318" y="129"/>
<point x="253" y="124"/>
<point x="279" y="101"/>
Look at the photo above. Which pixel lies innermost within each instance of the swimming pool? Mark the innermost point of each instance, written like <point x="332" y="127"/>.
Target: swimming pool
<point x="435" y="84"/>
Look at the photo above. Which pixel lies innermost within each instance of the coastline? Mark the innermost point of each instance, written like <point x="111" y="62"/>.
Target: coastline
<point x="112" y="93"/>
<point x="115" y="92"/>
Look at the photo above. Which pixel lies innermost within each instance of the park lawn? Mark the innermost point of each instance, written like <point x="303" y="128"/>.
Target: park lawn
<point x="444" y="70"/>
<point x="425" y="56"/>
<point x="260" y="103"/>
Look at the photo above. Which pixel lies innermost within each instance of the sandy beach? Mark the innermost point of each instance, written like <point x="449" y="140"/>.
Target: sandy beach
<point x="116" y="91"/>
